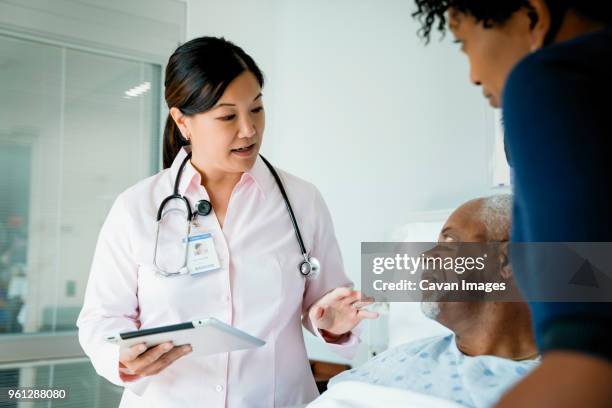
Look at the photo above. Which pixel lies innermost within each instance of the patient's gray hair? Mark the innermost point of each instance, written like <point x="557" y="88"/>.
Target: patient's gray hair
<point x="496" y="214"/>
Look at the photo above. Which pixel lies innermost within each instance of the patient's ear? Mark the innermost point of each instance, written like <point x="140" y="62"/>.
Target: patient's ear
<point x="505" y="269"/>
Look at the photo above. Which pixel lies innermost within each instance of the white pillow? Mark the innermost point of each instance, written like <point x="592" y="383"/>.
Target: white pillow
<point x="406" y="321"/>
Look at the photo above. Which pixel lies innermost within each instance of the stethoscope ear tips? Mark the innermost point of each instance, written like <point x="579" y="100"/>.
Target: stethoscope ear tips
<point x="203" y="207"/>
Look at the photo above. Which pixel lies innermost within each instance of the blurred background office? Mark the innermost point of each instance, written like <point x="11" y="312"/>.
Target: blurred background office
<point x="355" y="103"/>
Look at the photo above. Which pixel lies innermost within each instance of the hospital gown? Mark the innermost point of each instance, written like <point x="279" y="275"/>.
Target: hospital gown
<point x="436" y="367"/>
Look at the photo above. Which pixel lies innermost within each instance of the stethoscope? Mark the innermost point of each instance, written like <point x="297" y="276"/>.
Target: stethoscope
<point x="309" y="267"/>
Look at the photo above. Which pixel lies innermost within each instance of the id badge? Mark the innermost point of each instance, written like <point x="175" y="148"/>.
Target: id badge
<point x="201" y="254"/>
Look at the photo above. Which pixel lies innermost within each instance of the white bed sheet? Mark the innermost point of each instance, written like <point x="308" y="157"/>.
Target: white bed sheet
<point x="355" y="394"/>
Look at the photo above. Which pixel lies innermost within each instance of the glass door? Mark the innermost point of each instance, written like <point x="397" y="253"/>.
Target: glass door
<point x="76" y="129"/>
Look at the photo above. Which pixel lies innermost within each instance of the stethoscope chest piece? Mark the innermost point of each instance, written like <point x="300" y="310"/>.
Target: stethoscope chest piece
<point x="203" y="207"/>
<point x="310" y="267"/>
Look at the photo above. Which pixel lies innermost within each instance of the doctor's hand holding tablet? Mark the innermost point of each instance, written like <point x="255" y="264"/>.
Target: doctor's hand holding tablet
<point x="149" y="351"/>
<point x="205" y="272"/>
<point x="138" y="361"/>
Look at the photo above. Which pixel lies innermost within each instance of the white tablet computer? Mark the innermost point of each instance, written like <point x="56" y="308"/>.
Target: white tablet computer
<point x="206" y="336"/>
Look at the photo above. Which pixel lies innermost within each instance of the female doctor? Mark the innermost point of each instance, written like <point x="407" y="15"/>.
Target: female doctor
<point x="261" y="273"/>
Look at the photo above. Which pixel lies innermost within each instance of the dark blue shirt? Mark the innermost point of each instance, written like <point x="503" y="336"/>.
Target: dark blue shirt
<point x="558" y="125"/>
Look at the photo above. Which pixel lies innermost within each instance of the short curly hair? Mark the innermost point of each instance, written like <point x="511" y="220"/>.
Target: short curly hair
<point x="432" y="13"/>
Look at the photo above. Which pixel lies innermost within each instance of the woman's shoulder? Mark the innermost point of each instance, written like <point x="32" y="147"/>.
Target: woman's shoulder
<point x="559" y="72"/>
<point x="298" y="186"/>
<point x="304" y="195"/>
<point x="296" y="181"/>
<point x="146" y="187"/>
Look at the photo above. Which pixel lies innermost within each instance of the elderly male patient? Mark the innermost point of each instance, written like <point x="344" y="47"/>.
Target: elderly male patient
<point x="491" y="346"/>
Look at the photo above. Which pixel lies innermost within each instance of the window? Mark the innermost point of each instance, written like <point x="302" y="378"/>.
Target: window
<point x="76" y="128"/>
<point x="499" y="165"/>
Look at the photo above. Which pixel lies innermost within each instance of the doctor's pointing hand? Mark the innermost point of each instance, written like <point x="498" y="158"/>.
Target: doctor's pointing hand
<point x="221" y="233"/>
<point x="339" y="311"/>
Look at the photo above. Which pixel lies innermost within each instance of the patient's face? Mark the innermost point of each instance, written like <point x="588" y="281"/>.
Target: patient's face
<point x="492" y="51"/>
<point x="463" y="225"/>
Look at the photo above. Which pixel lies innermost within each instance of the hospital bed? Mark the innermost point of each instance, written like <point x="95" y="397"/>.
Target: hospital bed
<point x="399" y="323"/>
<point x="403" y="322"/>
<point x="355" y="394"/>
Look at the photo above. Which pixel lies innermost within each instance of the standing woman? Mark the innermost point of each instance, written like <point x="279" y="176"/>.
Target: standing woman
<point x="260" y="282"/>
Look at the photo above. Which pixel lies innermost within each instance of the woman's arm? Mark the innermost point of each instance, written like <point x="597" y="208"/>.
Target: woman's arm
<point x="328" y="295"/>
<point x="564" y="379"/>
<point x="111" y="303"/>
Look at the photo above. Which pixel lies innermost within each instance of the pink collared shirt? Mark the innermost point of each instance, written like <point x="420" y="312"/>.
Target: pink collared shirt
<point x="258" y="289"/>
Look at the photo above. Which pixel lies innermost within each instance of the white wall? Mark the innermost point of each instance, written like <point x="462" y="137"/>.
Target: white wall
<point x="356" y="103"/>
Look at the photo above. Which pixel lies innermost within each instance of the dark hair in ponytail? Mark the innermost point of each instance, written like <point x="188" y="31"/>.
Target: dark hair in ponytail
<point x="197" y="74"/>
